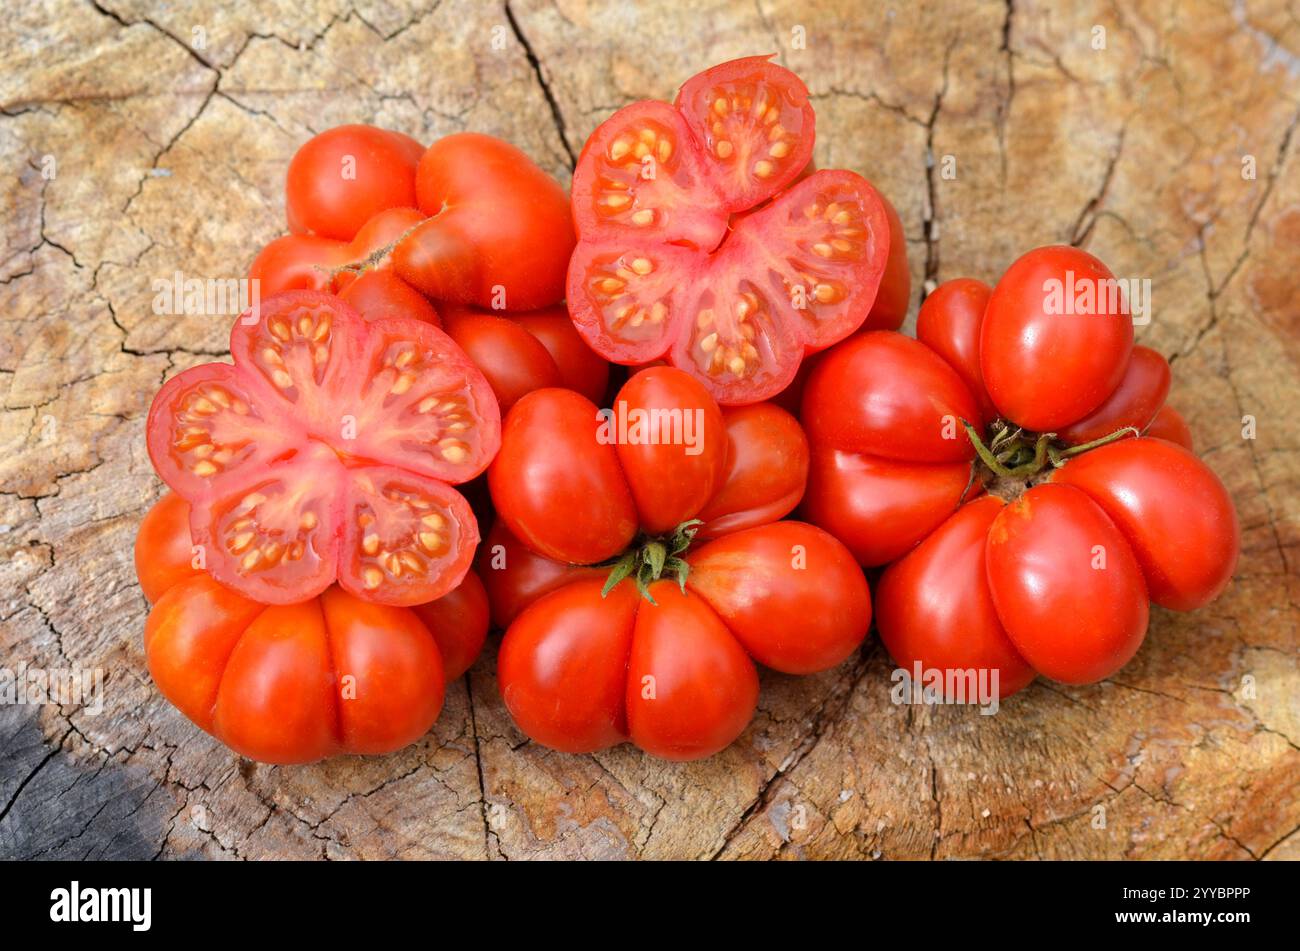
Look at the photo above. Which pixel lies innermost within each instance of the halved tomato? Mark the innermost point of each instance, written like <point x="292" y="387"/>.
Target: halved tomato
<point x="326" y="452"/>
<point x="692" y="247"/>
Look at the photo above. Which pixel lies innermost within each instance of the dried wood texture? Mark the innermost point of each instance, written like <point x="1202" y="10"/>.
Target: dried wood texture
<point x="170" y="157"/>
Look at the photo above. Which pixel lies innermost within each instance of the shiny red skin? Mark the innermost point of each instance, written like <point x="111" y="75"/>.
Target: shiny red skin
<point x="895" y="294"/>
<point x="1170" y="426"/>
<point x="515" y="576"/>
<point x="498" y="231"/>
<point x="670" y="485"/>
<point x="1065" y="585"/>
<point x="949" y="324"/>
<point x="852" y="401"/>
<point x="1165" y="520"/>
<point x="765" y="473"/>
<point x="1173" y="510"/>
<point x="378" y="294"/>
<point x="269" y="681"/>
<point x="308" y="262"/>
<point x="573" y="666"/>
<point x="581" y="368"/>
<point x="934" y="606"/>
<point x="878" y="507"/>
<point x="1045" y="370"/>
<point x="768" y="606"/>
<point x="340" y="178"/>
<point x="1134" y="403"/>
<point x="563" y="494"/>
<point x="675" y="675"/>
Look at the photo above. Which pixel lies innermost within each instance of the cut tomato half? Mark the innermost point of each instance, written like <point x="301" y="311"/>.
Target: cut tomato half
<point x="693" y="249"/>
<point x="325" y="452"/>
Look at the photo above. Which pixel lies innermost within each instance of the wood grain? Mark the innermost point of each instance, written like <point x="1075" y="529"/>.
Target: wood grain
<point x="168" y="157"/>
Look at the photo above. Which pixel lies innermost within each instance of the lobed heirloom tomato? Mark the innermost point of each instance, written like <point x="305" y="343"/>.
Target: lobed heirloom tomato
<point x="700" y="243"/>
<point x="298" y="682"/>
<point x="620" y="627"/>
<point x="328" y="452"/>
<point x="522" y="352"/>
<point x="470" y="220"/>
<point x="991" y="465"/>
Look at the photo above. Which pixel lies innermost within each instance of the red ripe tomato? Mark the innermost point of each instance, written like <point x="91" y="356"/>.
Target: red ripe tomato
<point x="1172" y="509"/>
<point x="1029" y="577"/>
<point x="498" y="232"/>
<point x="934" y="607"/>
<point x="1066" y="585"/>
<point x="765" y="472"/>
<point x="1170" y="425"/>
<point x="475" y="222"/>
<point x="895" y="294"/>
<point x="344" y="176"/>
<point x="665" y="658"/>
<point x="1055" y="340"/>
<point x="327" y="452"/>
<point x="949" y="324"/>
<point x="379" y="294"/>
<point x="519" y="353"/>
<point x="698" y="245"/>
<point x="308" y="262"/>
<point x="298" y="682"/>
<point x="673" y="670"/>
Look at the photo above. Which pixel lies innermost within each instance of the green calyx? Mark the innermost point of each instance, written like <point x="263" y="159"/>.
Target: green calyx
<point x="1014" y="459"/>
<point x="652" y="557"/>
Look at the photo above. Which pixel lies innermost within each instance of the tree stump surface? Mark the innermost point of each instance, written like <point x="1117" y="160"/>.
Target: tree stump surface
<point x="135" y="152"/>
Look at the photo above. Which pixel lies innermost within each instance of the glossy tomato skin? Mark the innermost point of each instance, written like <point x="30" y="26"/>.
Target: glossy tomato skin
<point x="1043" y="368"/>
<point x="581" y="368"/>
<point x="895" y="294"/>
<point x="268" y="680"/>
<point x="691" y="688"/>
<point x="1170" y="426"/>
<point x="1172" y="509"/>
<point x="343" y="176"/>
<point x="934" y="607"/>
<point x="558" y="489"/>
<point x="1066" y="585"/>
<point x="1134" y="402"/>
<point x="512" y="359"/>
<point x="878" y="507"/>
<point x="378" y="294"/>
<point x="673" y="476"/>
<point x="949" y="324"/>
<point x="890" y="396"/>
<point x="164" y="552"/>
<point x="308" y="262"/>
<point x="562" y="667"/>
<point x="674" y="672"/>
<point x="458" y="622"/>
<point x="765" y="474"/>
<point x="498" y="232"/>
<point x="791" y="594"/>
<point x="515" y="576"/>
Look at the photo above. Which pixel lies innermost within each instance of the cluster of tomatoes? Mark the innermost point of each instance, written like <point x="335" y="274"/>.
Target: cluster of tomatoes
<point x="432" y="351"/>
